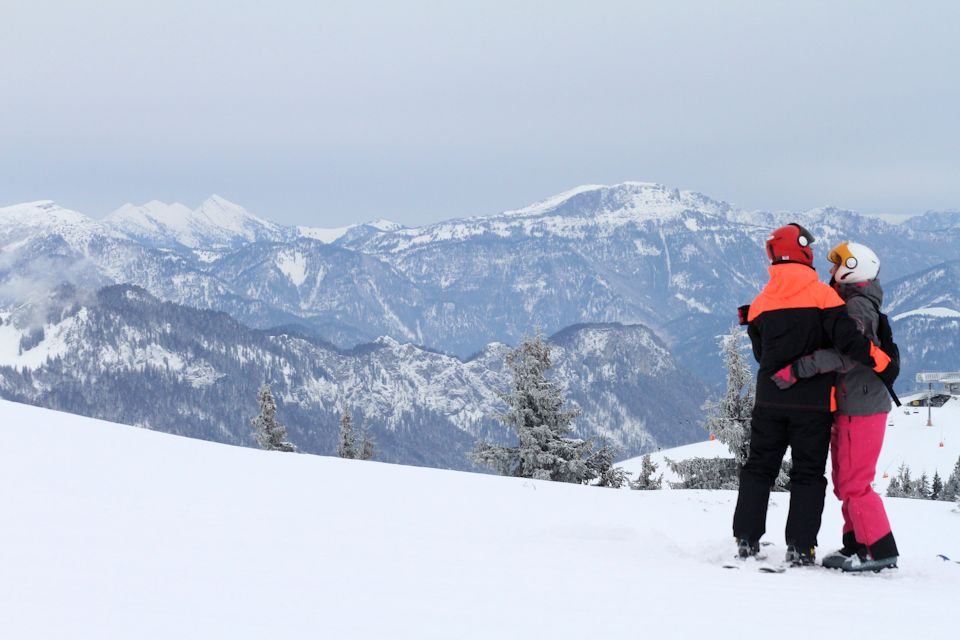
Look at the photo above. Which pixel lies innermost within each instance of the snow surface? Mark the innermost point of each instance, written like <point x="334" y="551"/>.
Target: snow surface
<point x="331" y="235"/>
<point x="293" y="264"/>
<point x="933" y="312"/>
<point x="57" y="340"/>
<point x="326" y="236"/>
<point x="116" y="532"/>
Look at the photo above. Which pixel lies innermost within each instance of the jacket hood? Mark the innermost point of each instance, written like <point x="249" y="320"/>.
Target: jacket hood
<point x="788" y="279"/>
<point x="870" y="289"/>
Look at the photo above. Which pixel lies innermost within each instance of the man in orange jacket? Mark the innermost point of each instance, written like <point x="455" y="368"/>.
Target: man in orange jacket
<point x="793" y="316"/>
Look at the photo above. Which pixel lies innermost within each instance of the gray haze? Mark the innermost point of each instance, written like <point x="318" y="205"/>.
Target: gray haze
<point x="326" y="113"/>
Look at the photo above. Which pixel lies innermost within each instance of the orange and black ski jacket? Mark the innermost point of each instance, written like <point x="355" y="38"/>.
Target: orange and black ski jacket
<point x="793" y="316"/>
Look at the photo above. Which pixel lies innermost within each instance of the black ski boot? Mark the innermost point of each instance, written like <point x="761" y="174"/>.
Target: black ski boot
<point x="800" y="557"/>
<point x="747" y="549"/>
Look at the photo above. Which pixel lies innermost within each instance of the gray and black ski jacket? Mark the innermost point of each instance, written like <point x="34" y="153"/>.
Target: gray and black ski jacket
<point x="860" y="392"/>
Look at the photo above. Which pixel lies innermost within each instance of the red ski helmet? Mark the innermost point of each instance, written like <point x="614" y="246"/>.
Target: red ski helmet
<point x="790" y="244"/>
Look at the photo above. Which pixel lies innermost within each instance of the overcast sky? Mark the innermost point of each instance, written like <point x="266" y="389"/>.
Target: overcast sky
<point x="327" y="113"/>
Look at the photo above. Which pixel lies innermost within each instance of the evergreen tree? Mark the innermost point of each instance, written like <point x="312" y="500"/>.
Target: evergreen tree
<point x="535" y="413"/>
<point x="345" y="443"/>
<point x="894" y="490"/>
<point x="901" y="485"/>
<point x="729" y="419"/>
<point x="782" y="483"/>
<point x="366" y="446"/>
<point x="353" y="445"/>
<point x="609" y="475"/>
<point x="645" y="480"/>
<point x="951" y="489"/>
<point x="921" y="487"/>
<point x="270" y="434"/>
<point x="936" y="487"/>
<point x="704" y="473"/>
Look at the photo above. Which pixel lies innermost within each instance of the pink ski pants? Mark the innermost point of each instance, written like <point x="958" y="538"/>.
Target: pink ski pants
<point x="855" y="443"/>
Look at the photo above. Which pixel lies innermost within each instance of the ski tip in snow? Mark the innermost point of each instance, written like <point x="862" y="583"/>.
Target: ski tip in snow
<point x="771" y="569"/>
<point x="761" y="568"/>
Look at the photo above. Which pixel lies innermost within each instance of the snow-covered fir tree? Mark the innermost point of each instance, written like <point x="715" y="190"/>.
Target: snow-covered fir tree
<point x="353" y="445"/>
<point x="951" y="488"/>
<point x="345" y="447"/>
<point x="936" y="486"/>
<point x="729" y="418"/>
<point x="365" y="448"/>
<point x="269" y="433"/>
<point x="921" y="488"/>
<point x="535" y="414"/>
<point x="607" y="473"/>
<point x="782" y="483"/>
<point x="894" y="490"/>
<point x="646" y="480"/>
<point x="901" y="485"/>
<point x="704" y="473"/>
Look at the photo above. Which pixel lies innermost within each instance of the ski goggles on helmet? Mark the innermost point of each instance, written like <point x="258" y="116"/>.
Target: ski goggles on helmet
<point x="840" y="255"/>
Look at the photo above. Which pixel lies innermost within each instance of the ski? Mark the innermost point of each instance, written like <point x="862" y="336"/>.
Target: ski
<point x="739" y="563"/>
<point x="762" y="568"/>
<point x="772" y="569"/>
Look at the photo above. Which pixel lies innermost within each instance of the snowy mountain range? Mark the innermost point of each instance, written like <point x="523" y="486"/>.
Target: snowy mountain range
<point x="123" y="355"/>
<point x="675" y="262"/>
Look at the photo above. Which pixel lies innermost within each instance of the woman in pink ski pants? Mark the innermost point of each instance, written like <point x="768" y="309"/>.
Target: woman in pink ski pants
<point x="863" y="403"/>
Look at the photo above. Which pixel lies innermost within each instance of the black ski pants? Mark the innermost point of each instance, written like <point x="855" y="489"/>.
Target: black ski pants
<point x="807" y="433"/>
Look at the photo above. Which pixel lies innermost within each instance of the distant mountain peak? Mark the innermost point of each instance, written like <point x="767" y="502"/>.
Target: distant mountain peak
<point x="46" y="216"/>
<point x="218" y="200"/>
<point x="216" y="222"/>
<point x="384" y="225"/>
<point x="633" y="199"/>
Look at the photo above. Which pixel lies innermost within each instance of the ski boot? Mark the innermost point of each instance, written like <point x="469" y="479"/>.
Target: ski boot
<point x="882" y="555"/>
<point x="835" y="559"/>
<point x="800" y="557"/>
<point x="856" y="564"/>
<point x="747" y="549"/>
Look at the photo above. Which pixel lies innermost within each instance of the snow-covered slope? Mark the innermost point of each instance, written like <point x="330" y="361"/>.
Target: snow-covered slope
<point x="908" y="440"/>
<point x="331" y="235"/>
<point x="113" y="533"/>
<point x="215" y="223"/>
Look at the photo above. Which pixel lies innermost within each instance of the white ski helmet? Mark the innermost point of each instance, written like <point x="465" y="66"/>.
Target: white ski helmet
<point x="853" y="262"/>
